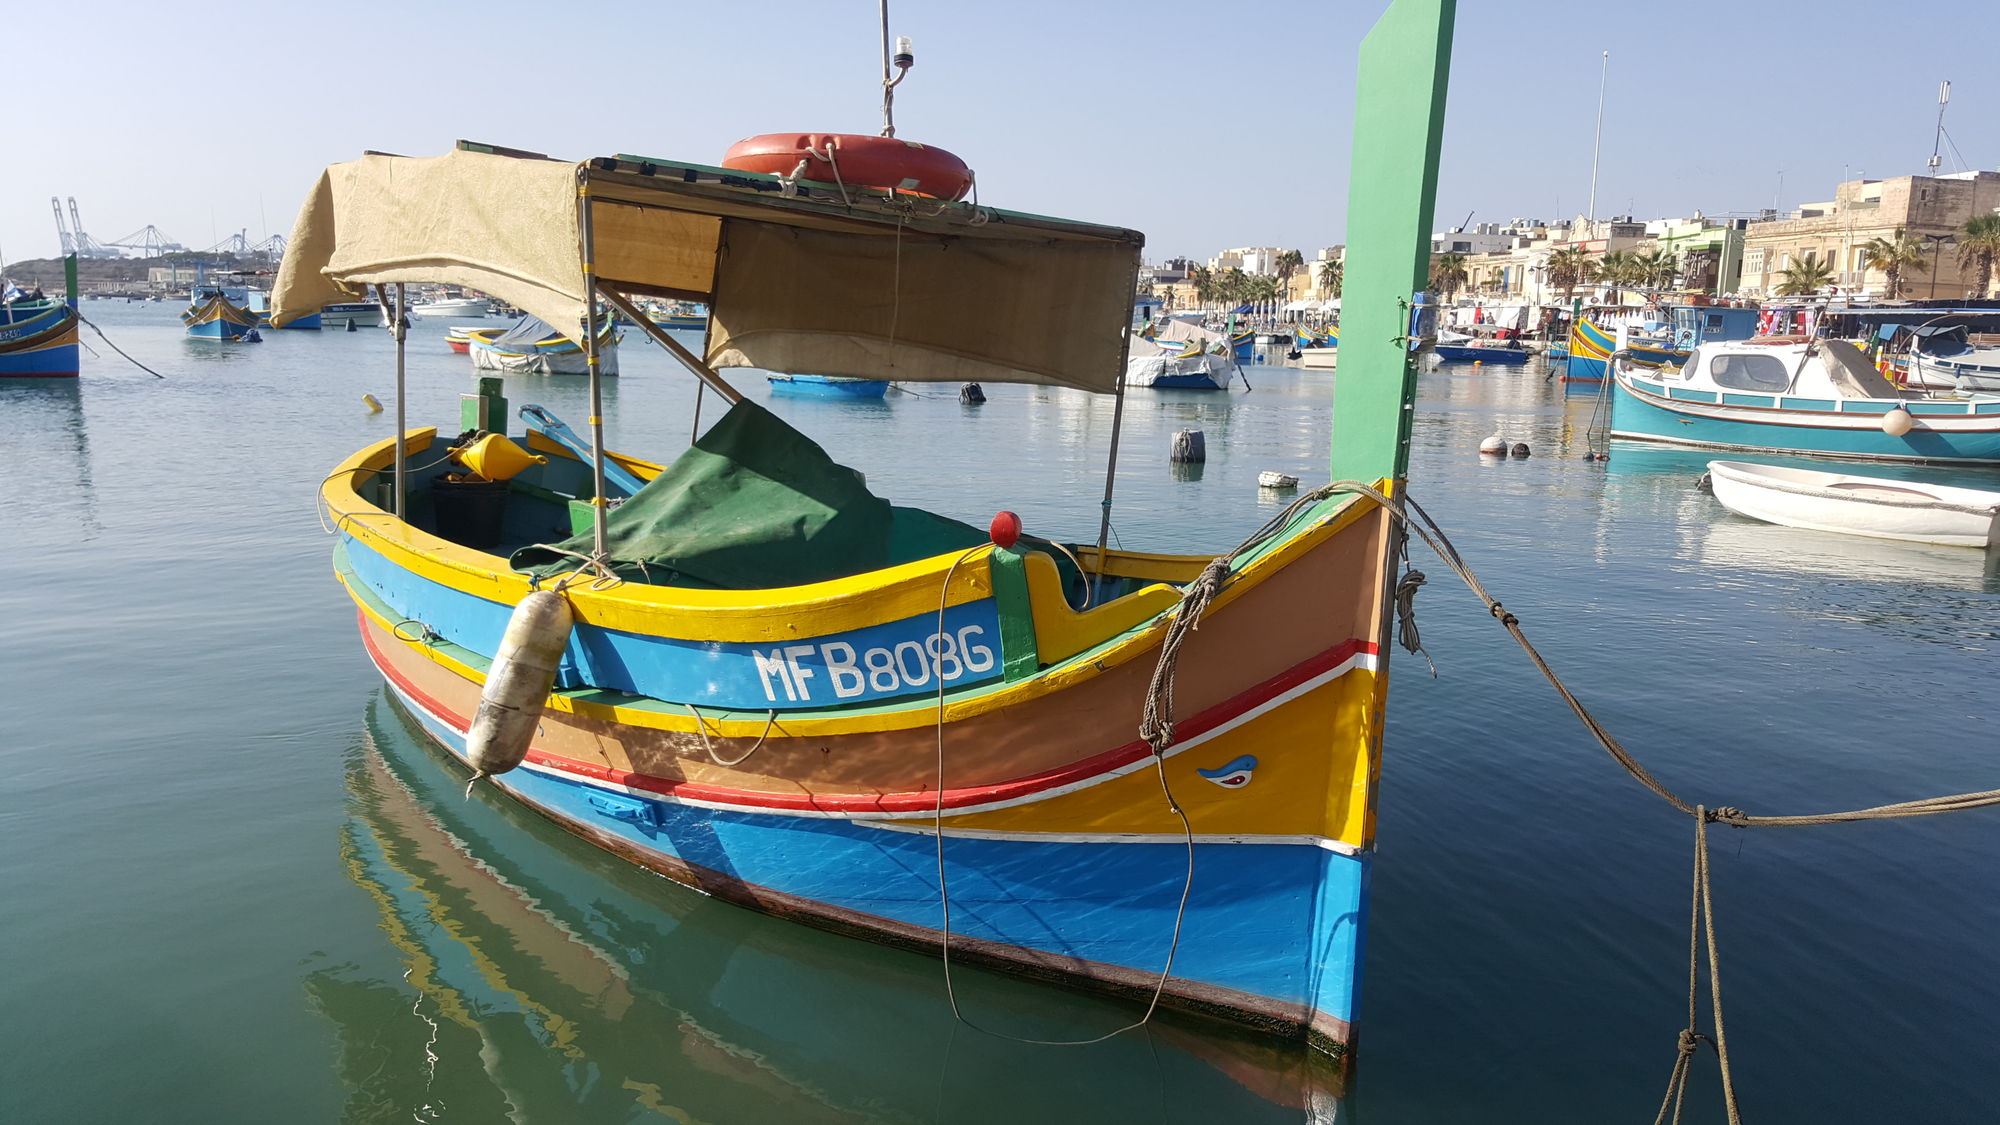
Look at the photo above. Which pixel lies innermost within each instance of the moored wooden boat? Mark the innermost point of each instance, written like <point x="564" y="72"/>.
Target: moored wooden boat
<point x="533" y="348"/>
<point x="38" y="338"/>
<point x="211" y="315"/>
<point x="784" y="691"/>
<point x="1854" y="504"/>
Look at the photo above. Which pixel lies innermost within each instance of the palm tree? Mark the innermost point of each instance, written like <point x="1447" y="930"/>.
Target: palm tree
<point x="1978" y="246"/>
<point x="1894" y="256"/>
<point x="1204" y="284"/>
<point x="1330" y="275"/>
<point x="1615" y="269"/>
<point x="1806" y="276"/>
<point x="1570" y="267"/>
<point x="1234" y="282"/>
<point x="1289" y="263"/>
<point x="1656" y="269"/>
<point x="1447" y="274"/>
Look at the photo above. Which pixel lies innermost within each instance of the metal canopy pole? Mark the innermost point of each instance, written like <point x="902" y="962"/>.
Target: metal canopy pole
<point x="401" y="331"/>
<point x="1117" y="426"/>
<point x="597" y="505"/>
<point x="659" y="336"/>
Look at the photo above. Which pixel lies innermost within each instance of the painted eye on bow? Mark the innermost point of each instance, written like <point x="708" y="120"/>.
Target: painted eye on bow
<point x="1232" y="775"/>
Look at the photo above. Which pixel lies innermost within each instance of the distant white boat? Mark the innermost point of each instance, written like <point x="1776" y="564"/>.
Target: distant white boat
<point x="361" y="314"/>
<point x="463" y="308"/>
<point x="1853" y="504"/>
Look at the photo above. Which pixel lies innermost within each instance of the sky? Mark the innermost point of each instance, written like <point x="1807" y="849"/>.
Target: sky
<point x="1203" y="125"/>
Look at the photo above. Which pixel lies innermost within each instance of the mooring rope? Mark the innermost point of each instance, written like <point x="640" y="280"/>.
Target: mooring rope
<point x="119" y="350"/>
<point x="944" y="890"/>
<point x="1156" y="723"/>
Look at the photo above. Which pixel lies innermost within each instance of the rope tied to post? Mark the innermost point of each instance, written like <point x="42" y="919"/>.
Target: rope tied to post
<point x="1156" y="727"/>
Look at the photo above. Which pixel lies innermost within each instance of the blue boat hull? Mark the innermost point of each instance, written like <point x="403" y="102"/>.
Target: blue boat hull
<point x="218" y="330"/>
<point x="57" y="362"/>
<point x="1248" y="938"/>
<point x="40" y="343"/>
<point x="1505" y="357"/>
<point x="312" y="322"/>
<point x="823" y="386"/>
<point x="1636" y="418"/>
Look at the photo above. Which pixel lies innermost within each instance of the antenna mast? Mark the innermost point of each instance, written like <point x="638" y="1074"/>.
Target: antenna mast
<point x="1597" y="141"/>
<point x="895" y="68"/>
<point x="1937" y="142"/>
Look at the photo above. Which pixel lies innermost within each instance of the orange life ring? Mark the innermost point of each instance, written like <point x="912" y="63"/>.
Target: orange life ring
<point x="884" y="163"/>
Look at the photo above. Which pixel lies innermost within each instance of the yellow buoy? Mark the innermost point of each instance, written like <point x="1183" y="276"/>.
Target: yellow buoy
<point x="496" y="458"/>
<point x="373" y="406"/>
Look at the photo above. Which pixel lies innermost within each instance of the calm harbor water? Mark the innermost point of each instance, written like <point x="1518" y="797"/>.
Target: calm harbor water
<point x="236" y="886"/>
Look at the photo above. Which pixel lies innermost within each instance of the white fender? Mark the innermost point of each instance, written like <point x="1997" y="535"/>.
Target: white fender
<point x="518" y="684"/>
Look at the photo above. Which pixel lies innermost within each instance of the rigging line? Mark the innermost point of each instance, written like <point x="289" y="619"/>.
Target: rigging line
<point x="944" y="892"/>
<point x="701" y="727"/>
<point x="119" y="350"/>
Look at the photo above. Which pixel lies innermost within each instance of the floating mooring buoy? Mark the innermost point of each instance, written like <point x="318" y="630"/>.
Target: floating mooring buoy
<point x="1269" y="479"/>
<point x="1520" y="449"/>
<point x="374" y="407"/>
<point x="1495" y="445"/>
<point x="971" y="394"/>
<point x="1188" y="447"/>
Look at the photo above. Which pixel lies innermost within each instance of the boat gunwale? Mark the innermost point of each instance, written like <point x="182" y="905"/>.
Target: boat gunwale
<point x="832" y="606"/>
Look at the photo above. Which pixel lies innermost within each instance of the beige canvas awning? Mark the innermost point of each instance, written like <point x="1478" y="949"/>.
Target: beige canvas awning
<point x="802" y="278"/>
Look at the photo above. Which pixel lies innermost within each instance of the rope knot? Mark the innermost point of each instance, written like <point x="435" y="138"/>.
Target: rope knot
<point x="1726" y="814"/>
<point x="1690" y="1041"/>
<point x="1500" y="612"/>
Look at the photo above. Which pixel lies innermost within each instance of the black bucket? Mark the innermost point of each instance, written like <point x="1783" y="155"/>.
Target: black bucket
<point x="469" y="512"/>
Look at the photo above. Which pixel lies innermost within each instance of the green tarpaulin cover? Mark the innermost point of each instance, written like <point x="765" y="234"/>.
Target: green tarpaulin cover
<point x="755" y="504"/>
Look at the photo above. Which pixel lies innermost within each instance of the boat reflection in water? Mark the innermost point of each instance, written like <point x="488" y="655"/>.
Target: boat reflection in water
<point x="528" y="975"/>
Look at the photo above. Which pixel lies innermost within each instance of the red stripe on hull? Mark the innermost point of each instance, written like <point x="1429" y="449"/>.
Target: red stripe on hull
<point x="1083" y="770"/>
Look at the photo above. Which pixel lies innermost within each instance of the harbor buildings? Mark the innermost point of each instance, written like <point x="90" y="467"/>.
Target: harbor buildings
<point x="1930" y="208"/>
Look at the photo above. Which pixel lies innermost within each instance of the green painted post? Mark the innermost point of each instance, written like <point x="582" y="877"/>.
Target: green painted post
<point x="69" y="278"/>
<point x="1392" y="184"/>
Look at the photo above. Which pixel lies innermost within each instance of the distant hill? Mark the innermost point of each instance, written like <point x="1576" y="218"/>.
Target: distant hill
<point x="123" y="273"/>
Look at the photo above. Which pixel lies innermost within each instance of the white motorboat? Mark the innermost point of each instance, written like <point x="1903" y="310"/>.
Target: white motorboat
<point x="463" y="308"/>
<point x="1854" y="504"/>
<point x="359" y="314"/>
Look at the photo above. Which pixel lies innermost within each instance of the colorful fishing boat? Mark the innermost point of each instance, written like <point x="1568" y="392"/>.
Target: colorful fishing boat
<point x="38" y="338"/>
<point x="1590" y="348"/>
<point x="827" y="386"/>
<point x="531" y="347"/>
<point x="211" y="315"/>
<point x="750" y="674"/>
<point x="1798" y="395"/>
<point x="459" y="337"/>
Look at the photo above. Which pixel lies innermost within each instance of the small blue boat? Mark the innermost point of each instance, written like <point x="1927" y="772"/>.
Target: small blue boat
<point x="1476" y="353"/>
<point x="827" y="386"/>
